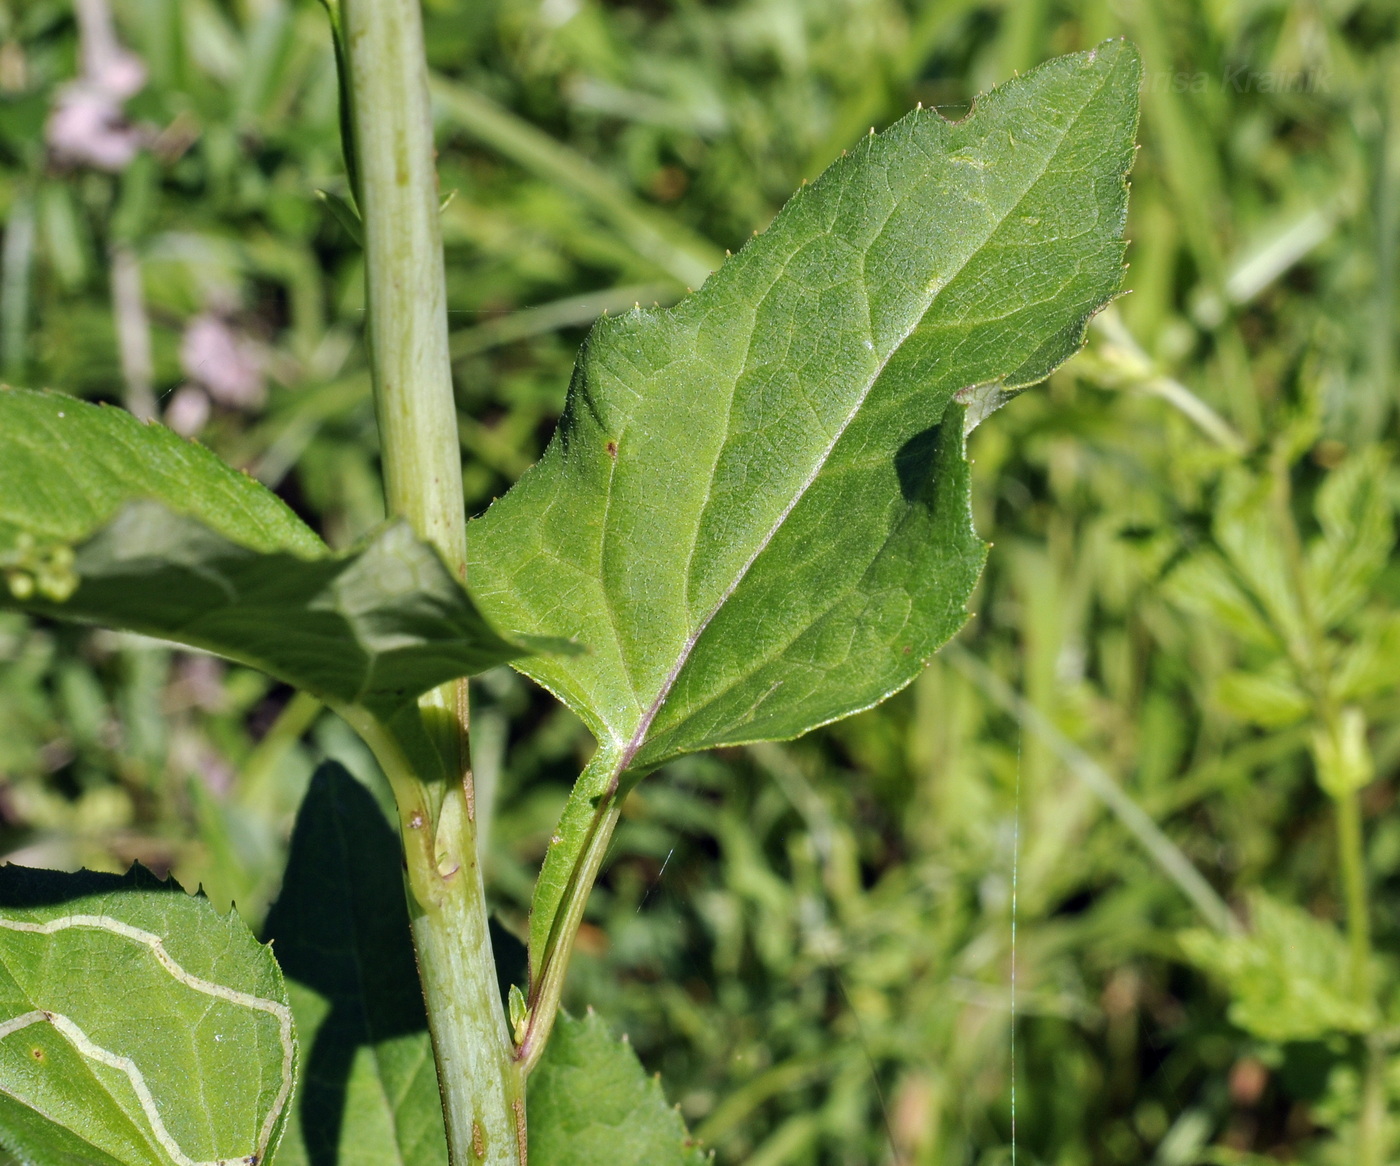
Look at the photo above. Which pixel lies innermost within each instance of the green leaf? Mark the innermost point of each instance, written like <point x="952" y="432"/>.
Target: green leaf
<point x="67" y="467"/>
<point x="1267" y="698"/>
<point x="1354" y="510"/>
<point x="592" y="1104"/>
<point x="368" y="1093"/>
<point x="345" y="215"/>
<point x="1342" y="755"/>
<point x="215" y="561"/>
<point x="1205" y="585"/>
<point x="1286" y="978"/>
<point x="1372" y="664"/>
<point x="755" y="513"/>
<point x="137" y="1025"/>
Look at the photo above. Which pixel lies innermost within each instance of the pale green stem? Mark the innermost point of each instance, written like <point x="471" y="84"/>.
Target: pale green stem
<point x="1370" y="1126"/>
<point x="133" y="332"/>
<point x="547" y="992"/>
<point x="1125" y="356"/>
<point x="256" y="787"/>
<point x="570" y="312"/>
<point x="482" y="1086"/>
<point x="1370" y="1133"/>
<point x="1349" y="846"/>
<point x="406" y="284"/>
<point x="391" y="126"/>
<point x="16" y="267"/>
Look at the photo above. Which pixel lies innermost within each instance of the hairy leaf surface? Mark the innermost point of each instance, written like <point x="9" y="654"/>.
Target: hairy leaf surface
<point x="755" y="513"/>
<point x="138" y="1027"/>
<point x="108" y="521"/>
<point x="592" y="1104"/>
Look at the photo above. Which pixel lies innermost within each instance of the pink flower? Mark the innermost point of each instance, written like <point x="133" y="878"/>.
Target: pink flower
<point x="188" y="411"/>
<point x="226" y="363"/>
<point x="88" y="128"/>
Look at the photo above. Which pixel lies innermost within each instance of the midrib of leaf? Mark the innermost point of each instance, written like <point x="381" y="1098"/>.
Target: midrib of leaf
<point x="634" y="743"/>
<point x="757" y="663"/>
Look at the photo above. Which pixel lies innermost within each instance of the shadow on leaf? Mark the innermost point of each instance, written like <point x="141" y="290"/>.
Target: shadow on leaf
<point x="340" y="929"/>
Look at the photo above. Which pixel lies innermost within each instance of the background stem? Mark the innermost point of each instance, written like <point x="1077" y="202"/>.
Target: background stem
<point x="391" y="127"/>
<point x="1349" y="846"/>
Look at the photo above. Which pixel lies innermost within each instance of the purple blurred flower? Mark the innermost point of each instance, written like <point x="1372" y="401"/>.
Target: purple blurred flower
<point x="188" y="411"/>
<point x="88" y="126"/>
<point x="226" y="363"/>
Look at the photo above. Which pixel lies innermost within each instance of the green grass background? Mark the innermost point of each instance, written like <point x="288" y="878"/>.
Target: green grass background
<point x="812" y="942"/>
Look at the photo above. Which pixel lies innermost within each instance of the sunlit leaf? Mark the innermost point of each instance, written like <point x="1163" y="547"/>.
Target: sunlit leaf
<point x="755" y="512"/>
<point x="592" y="1104"/>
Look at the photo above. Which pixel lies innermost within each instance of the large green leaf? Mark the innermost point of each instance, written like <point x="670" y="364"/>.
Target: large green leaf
<point x="108" y="521"/>
<point x="137" y="1026"/>
<point x="755" y="512"/>
<point x="592" y="1104"/>
<point x="368" y="1093"/>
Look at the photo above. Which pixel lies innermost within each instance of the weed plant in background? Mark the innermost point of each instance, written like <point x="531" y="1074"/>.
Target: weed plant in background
<point x="1186" y="616"/>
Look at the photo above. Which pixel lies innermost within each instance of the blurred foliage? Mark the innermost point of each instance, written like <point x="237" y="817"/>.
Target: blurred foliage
<point x="1194" y="584"/>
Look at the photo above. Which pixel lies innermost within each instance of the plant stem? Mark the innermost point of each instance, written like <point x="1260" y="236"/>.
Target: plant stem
<point x="426" y="760"/>
<point x="1370" y="1133"/>
<point x="1349" y="847"/>
<point x="657" y="237"/>
<point x="407" y="291"/>
<point x="483" y="1089"/>
<point x="133" y="332"/>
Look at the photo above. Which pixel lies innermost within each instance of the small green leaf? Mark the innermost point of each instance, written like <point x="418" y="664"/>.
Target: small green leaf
<point x="1286" y="978"/>
<point x="1342" y="754"/>
<point x="592" y="1104"/>
<point x="1267" y="698"/>
<point x="519" y="1012"/>
<point x="1354" y="510"/>
<point x="368" y="1093"/>
<point x="755" y="513"/>
<point x="137" y="1026"/>
<point x="1246" y="531"/>
<point x="217" y="562"/>
<point x="1372" y="663"/>
<point x="1205" y="585"/>
<point x="345" y="215"/>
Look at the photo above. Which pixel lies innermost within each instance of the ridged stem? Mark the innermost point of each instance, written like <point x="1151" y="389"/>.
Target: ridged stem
<point x="390" y="123"/>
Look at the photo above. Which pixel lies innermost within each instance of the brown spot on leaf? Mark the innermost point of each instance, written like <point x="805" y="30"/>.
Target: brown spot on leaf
<point x="612" y="450"/>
